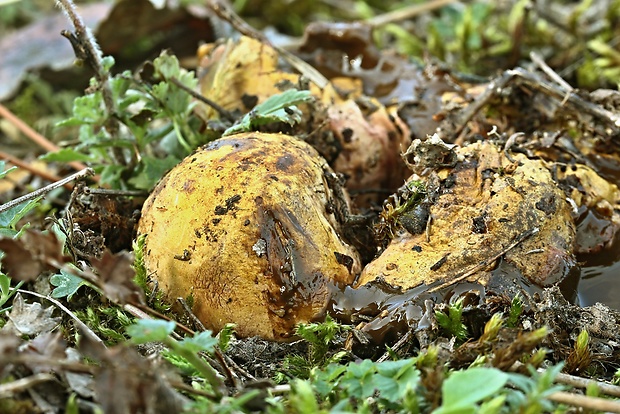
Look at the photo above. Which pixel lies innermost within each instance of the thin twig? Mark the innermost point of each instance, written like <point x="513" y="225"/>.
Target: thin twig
<point x="44" y="360"/>
<point x="486" y="262"/>
<point x="115" y="193"/>
<point x="35" y="171"/>
<point x="191" y="390"/>
<point x="135" y="311"/>
<point x="223" y="112"/>
<point x="538" y="60"/>
<point x="83" y="327"/>
<point x="407" y="12"/>
<point x="454" y="126"/>
<point x="34" y="136"/>
<point x="159" y="315"/>
<point x="394" y="348"/>
<point x="188" y="312"/>
<point x="577" y="382"/>
<point x="227" y="14"/>
<point x="580" y="382"/>
<point x="44" y="190"/>
<point x="592" y="403"/>
<point x="22" y="384"/>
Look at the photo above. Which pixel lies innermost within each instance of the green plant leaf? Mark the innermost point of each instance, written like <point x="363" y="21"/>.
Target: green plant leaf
<point x="10" y="217"/>
<point x="276" y="108"/>
<point x="5" y="287"/>
<point x="67" y="283"/>
<point x="225" y="335"/>
<point x="150" y="330"/>
<point x="394" y="379"/>
<point x="66" y="155"/>
<point x="151" y="170"/>
<point x="4" y="172"/>
<point x="302" y="398"/>
<point x="463" y="389"/>
<point x="202" y="341"/>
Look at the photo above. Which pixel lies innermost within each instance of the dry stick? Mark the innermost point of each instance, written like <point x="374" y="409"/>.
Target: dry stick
<point x="537" y="83"/>
<point x="115" y="193"/>
<point x="34" y="136"/>
<point x="148" y="311"/>
<point x="407" y="12"/>
<point x="35" y="171"/>
<point x="404" y="339"/>
<point x="188" y="312"/>
<point x="220" y="357"/>
<point x="223" y="112"/>
<point x="486" y="262"/>
<point x="40" y="360"/>
<point x="22" y="384"/>
<point x="44" y="190"/>
<point x="580" y="382"/>
<point x="85" y="329"/>
<point x="592" y="403"/>
<point x="538" y="60"/>
<point x="225" y="13"/>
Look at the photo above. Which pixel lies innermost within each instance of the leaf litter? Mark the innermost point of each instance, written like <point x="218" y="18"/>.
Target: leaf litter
<point x="143" y="385"/>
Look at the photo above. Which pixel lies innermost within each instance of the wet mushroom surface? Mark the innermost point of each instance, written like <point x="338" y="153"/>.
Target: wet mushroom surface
<point x="246" y="226"/>
<point x="485" y="207"/>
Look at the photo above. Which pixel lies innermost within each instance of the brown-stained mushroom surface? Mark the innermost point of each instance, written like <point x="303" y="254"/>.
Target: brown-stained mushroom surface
<point x="484" y="208"/>
<point x="246" y="226"/>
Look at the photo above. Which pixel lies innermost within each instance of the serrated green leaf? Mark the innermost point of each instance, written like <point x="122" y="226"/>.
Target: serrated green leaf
<point x="276" y="108"/>
<point x="167" y="65"/>
<point x="87" y="109"/>
<point x="202" y="341"/>
<point x="150" y="330"/>
<point x="67" y="284"/>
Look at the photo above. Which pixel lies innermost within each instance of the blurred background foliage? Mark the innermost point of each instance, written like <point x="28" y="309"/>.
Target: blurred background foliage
<point x="578" y="39"/>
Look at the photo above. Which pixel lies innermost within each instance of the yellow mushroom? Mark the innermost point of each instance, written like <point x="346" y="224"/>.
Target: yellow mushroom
<point x="246" y="225"/>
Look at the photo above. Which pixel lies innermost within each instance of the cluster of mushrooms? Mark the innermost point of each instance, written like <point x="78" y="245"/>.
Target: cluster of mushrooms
<point x="262" y="229"/>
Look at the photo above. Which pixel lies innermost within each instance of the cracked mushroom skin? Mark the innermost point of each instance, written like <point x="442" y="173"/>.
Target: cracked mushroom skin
<point x="486" y="208"/>
<point x="245" y="226"/>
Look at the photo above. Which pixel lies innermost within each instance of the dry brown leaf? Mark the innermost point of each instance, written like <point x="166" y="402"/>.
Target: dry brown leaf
<point x="129" y="383"/>
<point x="34" y="252"/>
<point x="30" y="318"/>
<point x="115" y="274"/>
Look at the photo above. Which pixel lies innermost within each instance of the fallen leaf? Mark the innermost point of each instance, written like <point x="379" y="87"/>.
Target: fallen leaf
<point x="40" y="45"/>
<point x="27" y="257"/>
<point x="30" y="318"/>
<point x="116" y="275"/>
<point x="137" y="384"/>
